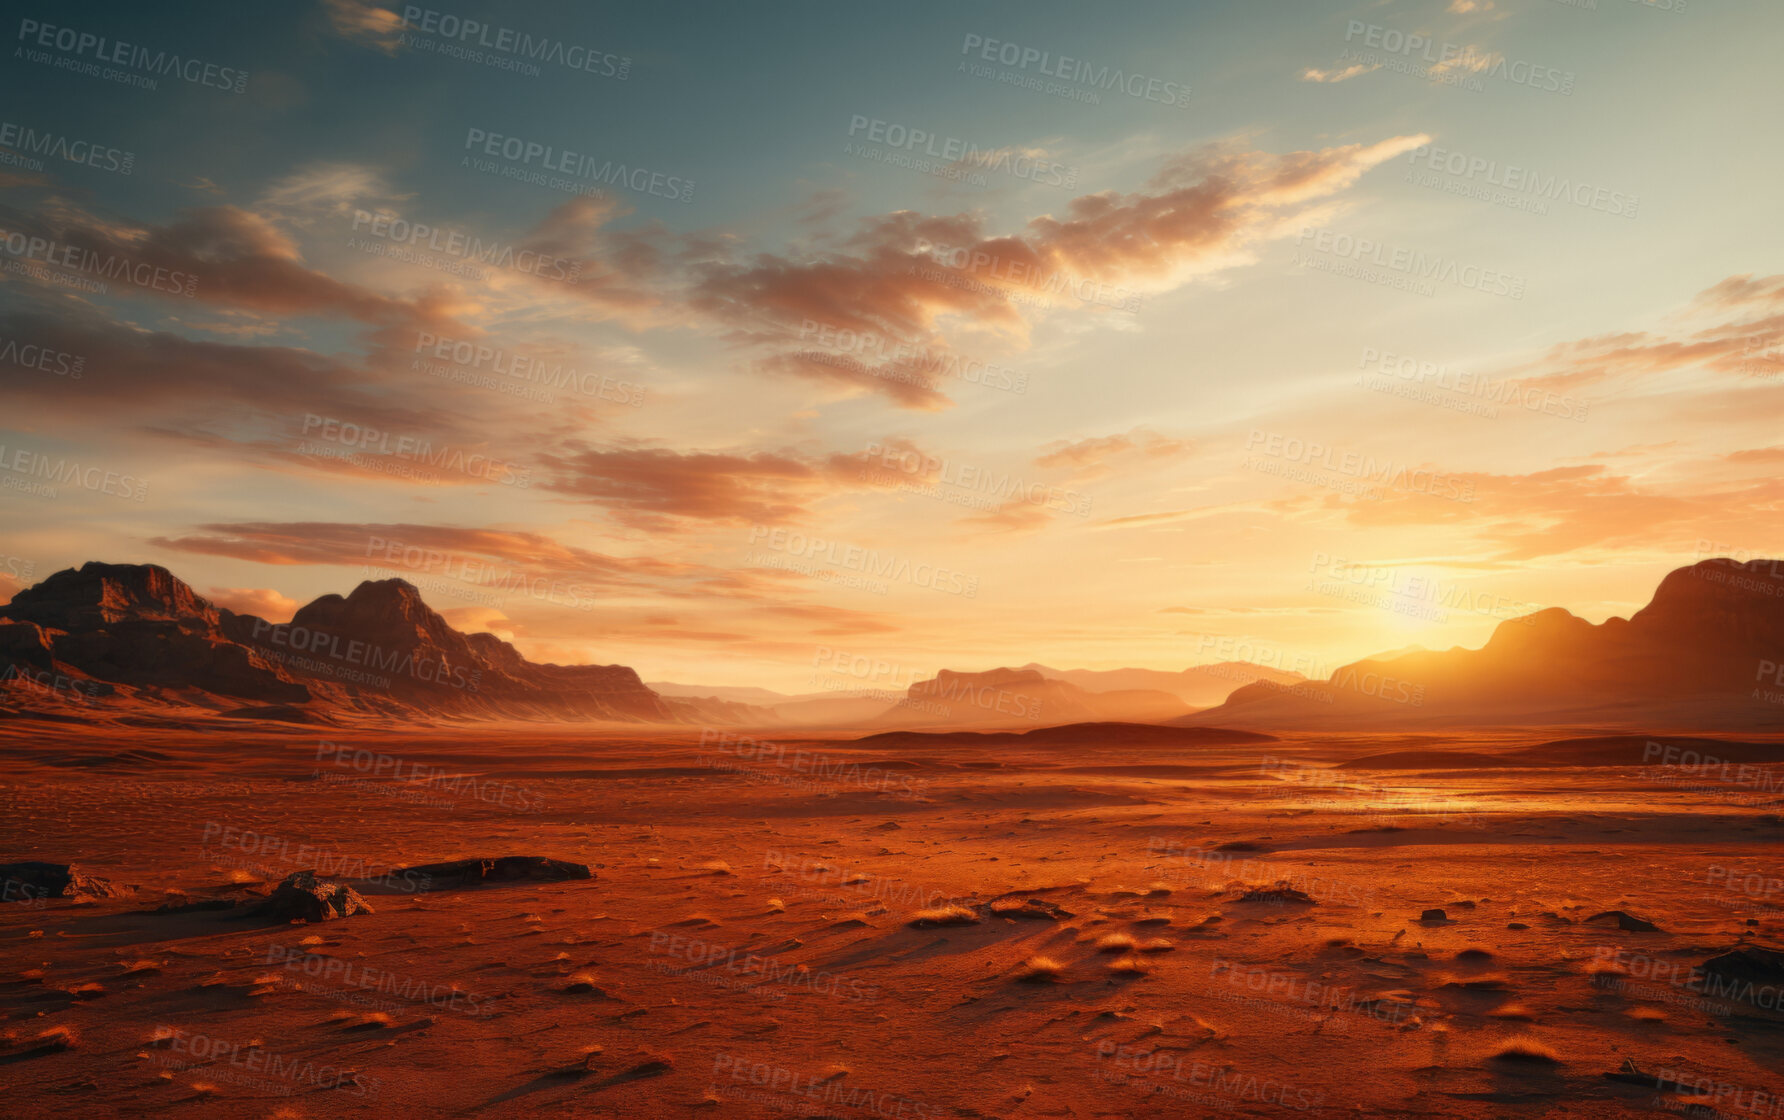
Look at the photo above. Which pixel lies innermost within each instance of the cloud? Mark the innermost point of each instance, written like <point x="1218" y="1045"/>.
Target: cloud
<point x="218" y="255"/>
<point x="473" y="620"/>
<point x="417" y="548"/>
<point x="1095" y="457"/>
<point x="1011" y="517"/>
<point x="249" y="401"/>
<point x="333" y="190"/>
<point x="659" y="489"/>
<point x="365" y="23"/>
<point x="1735" y="326"/>
<point x="903" y="276"/>
<point x="1312" y="74"/>
<point x="622" y="273"/>
<point x="1583" y="506"/>
<point x="263" y="602"/>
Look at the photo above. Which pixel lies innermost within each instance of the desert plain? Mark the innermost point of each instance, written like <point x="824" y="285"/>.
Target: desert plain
<point x="1106" y="920"/>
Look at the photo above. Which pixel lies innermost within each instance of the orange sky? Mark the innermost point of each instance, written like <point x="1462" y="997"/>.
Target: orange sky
<point x="1321" y="363"/>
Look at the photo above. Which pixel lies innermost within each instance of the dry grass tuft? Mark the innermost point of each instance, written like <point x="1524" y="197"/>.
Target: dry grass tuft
<point x="1526" y="1049"/>
<point x="945" y="916"/>
<point x="1114" y="943"/>
<point x="1041" y="970"/>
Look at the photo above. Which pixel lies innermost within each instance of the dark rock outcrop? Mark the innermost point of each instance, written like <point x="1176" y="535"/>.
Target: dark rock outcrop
<point x="494" y="869"/>
<point x="31" y="880"/>
<point x="136" y="625"/>
<point x="1623" y="920"/>
<point x="304" y="897"/>
<point x="380" y="651"/>
<point x="1753" y="963"/>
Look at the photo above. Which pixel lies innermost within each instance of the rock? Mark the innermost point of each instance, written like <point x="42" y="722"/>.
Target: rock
<point x="1631" y="1074"/>
<point x="35" y="879"/>
<point x="1279" y="895"/>
<point x="494" y="869"/>
<point x="1624" y="921"/>
<point x="1037" y="908"/>
<point x="1516" y="925"/>
<point x="1748" y="963"/>
<point x="303" y="897"/>
<point x="1433" y="916"/>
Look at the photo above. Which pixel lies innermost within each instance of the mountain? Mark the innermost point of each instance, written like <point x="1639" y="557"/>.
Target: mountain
<point x="1008" y="698"/>
<point x="1704" y="653"/>
<point x="136" y="632"/>
<point x="860" y="706"/>
<point x="1200" y="686"/>
<point x="736" y="693"/>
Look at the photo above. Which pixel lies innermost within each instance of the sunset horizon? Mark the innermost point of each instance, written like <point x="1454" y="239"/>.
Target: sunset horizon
<point x="1122" y="366"/>
<point x="1022" y="561"/>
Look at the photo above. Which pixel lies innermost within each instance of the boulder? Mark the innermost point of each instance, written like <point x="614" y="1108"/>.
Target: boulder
<point x="1279" y="895"/>
<point x="303" y="897"/>
<point x="35" y="879"/>
<point x="1624" y="920"/>
<point x="1751" y="962"/>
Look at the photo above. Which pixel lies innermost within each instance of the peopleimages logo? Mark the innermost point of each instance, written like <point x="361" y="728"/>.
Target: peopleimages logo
<point x="870" y="561"/>
<point x="1073" y="70"/>
<point x="29" y="464"/>
<point x="1522" y="181"/>
<point x="464" y="246"/>
<point x="355" y="653"/>
<point x="1452" y="58"/>
<point x="952" y="150"/>
<point x="1409" y="266"/>
<point x="111" y="266"/>
<point x="28" y="355"/>
<point x="520" y="44"/>
<point x="518" y="369"/>
<point x="415" y="450"/>
<point x="74" y="45"/>
<point x="549" y="157"/>
<point x="54" y="145"/>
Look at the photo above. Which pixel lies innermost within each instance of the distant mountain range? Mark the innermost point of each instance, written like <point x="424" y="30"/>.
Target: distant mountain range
<point x="1705" y="653"/>
<point x="1200" y="686"/>
<point x="109" y="633"/>
<point x="1030" y="696"/>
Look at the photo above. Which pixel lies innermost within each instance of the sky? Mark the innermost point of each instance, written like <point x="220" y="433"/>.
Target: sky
<point x="740" y="343"/>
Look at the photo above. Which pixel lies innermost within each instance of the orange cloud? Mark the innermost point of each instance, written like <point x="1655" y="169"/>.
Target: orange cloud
<point x="263" y="602"/>
<point x="659" y="489"/>
<point x="1093" y="457"/>
<point x="903" y="274"/>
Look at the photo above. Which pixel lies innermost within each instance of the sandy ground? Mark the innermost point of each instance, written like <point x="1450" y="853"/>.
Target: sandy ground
<point x="746" y="947"/>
